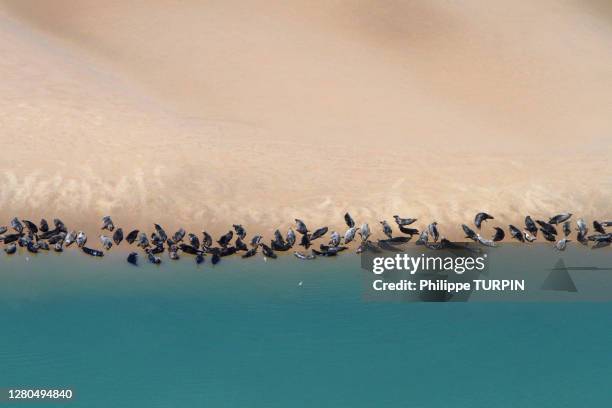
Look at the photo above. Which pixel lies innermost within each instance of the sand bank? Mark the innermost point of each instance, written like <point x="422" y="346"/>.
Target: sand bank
<point x="203" y="114"/>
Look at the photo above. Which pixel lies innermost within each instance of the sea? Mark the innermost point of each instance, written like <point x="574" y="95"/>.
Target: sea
<point x="283" y="333"/>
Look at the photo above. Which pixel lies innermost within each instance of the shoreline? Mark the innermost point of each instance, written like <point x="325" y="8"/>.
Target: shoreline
<point x="124" y="248"/>
<point x="197" y="129"/>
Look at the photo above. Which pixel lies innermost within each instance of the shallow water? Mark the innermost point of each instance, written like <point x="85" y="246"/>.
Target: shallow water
<point x="248" y="334"/>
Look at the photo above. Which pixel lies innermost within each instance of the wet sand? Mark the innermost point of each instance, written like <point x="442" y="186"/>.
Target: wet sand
<point x="203" y="115"/>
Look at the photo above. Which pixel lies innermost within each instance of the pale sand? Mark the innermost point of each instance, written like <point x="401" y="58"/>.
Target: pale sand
<point x="206" y="113"/>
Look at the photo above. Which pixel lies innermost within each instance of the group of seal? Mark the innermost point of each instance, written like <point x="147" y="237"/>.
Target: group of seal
<point x="41" y="237"/>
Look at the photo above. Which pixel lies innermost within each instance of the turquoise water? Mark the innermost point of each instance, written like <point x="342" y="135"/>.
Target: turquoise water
<point x="246" y="334"/>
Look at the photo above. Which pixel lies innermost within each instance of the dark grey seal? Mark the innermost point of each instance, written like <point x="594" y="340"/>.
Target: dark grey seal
<point x="92" y="252"/>
<point x="548" y="236"/>
<point x="396" y="240"/>
<point x="277" y="246"/>
<point x="161" y="233"/>
<point x="70" y="238"/>
<point x="107" y="223"/>
<point x="32" y="247"/>
<point x="256" y="240"/>
<point x="193" y="240"/>
<point x="516" y="233"/>
<point x="562" y="244"/>
<point x="324" y="253"/>
<point x="227" y="251"/>
<point x="484" y="241"/>
<point x="290" y="238"/>
<point x="207" y="241"/>
<point x="386" y="229"/>
<point x="349" y="235"/>
<point x="12" y="238"/>
<point x="153" y="259"/>
<point x="179" y="235"/>
<point x="499" y="235"/>
<point x="305" y="241"/>
<point x="598" y="227"/>
<point x="364" y="232"/>
<point x="157" y="249"/>
<point x="278" y="238"/>
<point x="423" y="238"/>
<point x="469" y="233"/>
<point x="404" y="221"/>
<point x="600" y="237"/>
<point x="432" y="231"/>
<point x="267" y="251"/>
<point x="189" y="249"/>
<point x="601" y="244"/>
<point x="582" y="227"/>
<point x="59" y="225"/>
<point x="300" y="227"/>
<point x="57" y="238"/>
<point x="107" y="243"/>
<point x="240" y="231"/>
<point x="443" y="244"/>
<point x="225" y="239"/>
<point x="334" y="239"/>
<point x="118" y="236"/>
<point x="567" y="229"/>
<point x="31" y="226"/>
<point x="251" y="252"/>
<point x="546" y="227"/>
<point x="301" y="255"/>
<point x="531" y="226"/>
<point x="349" y="220"/>
<point x="480" y="217"/>
<point x="408" y="231"/>
<point x="318" y="233"/>
<point x="81" y="239"/>
<point x="559" y="218"/>
<point x="44" y="225"/>
<point x="16" y="225"/>
<point x="240" y="245"/>
<point x="131" y="237"/>
<point x="133" y="258"/>
<point x="143" y="241"/>
<point x="528" y="236"/>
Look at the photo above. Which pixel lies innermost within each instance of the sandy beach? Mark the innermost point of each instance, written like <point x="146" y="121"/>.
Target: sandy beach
<point x="204" y="114"/>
